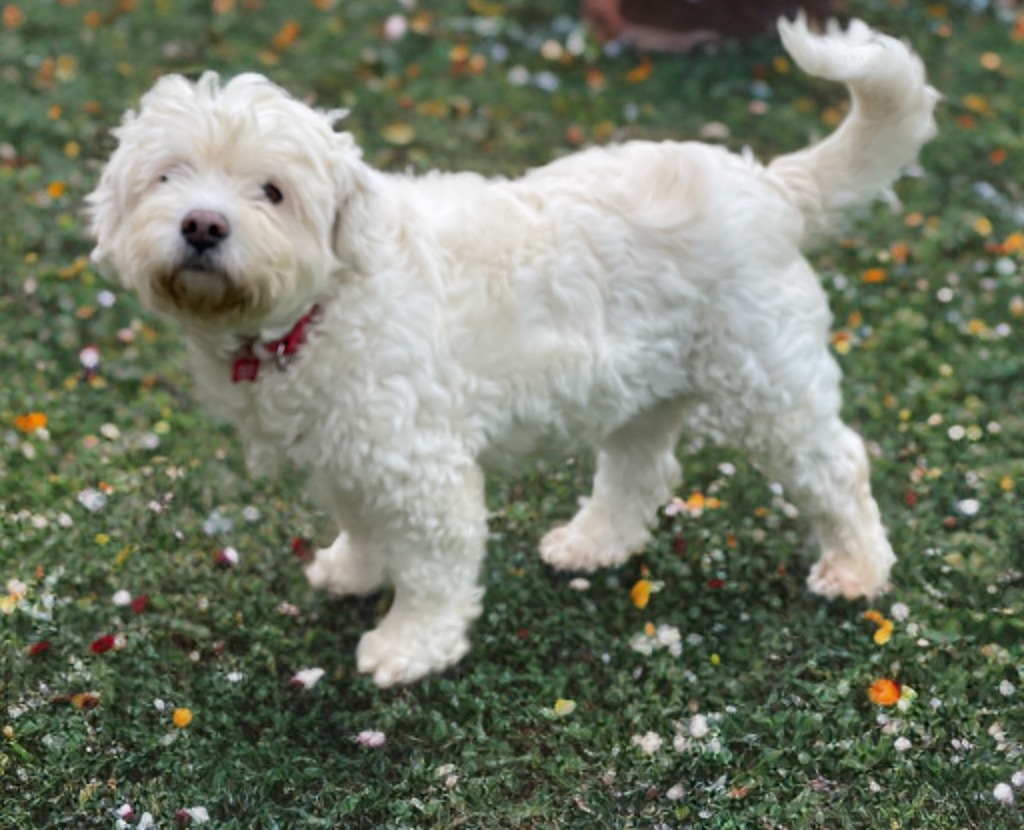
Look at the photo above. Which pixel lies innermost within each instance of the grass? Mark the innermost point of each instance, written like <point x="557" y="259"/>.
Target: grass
<point x="130" y="488"/>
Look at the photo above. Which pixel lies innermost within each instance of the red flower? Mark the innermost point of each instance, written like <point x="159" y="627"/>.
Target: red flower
<point x="41" y="647"/>
<point x="715" y="584"/>
<point x="140" y="603"/>
<point x="103" y="644"/>
<point x="302" y="547"/>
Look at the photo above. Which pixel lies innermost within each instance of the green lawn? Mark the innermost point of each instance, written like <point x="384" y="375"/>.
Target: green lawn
<point x="748" y="707"/>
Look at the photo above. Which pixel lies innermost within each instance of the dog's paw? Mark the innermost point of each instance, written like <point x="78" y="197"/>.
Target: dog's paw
<point x="339" y="572"/>
<point x="396" y="655"/>
<point x="842" y="575"/>
<point x="567" y="549"/>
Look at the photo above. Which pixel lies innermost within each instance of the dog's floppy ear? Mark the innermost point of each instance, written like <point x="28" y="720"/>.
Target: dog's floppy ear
<point x="128" y="171"/>
<point x="105" y="205"/>
<point x="354" y="187"/>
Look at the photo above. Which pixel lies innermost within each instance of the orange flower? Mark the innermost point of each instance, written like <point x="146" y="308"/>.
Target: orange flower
<point x="182" y="717"/>
<point x="56" y="189"/>
<point x="874" y="275"/>
<point x="286" y="36"/>
<point x="31" y="422"/>
<point x="884" y="692"/>
<point x="871" y="615"/>
<point x="641" y="593"/>
<point x="1014" y="243"/>
<point x="641" y="72"/>
<point x="12" y="16"/>
<point x="85" y="700"/>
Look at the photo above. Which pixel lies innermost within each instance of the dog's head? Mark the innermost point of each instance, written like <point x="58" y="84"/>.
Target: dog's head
<point x="220" y="203"/>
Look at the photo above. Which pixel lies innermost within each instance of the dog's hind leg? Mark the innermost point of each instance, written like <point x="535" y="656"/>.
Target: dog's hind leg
<point x="823" y="466"/>
<point x="637" y="472"/>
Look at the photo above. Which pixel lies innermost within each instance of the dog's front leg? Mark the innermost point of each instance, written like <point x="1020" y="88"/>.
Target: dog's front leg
<point x="353" y="564"/>
<point x="434" y="543"/>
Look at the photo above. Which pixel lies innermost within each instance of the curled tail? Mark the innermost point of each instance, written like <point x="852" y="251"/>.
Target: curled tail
<point x="889" y="121"/>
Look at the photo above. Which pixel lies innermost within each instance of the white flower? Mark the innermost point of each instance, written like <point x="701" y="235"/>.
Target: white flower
<point x="92" y="500"/>
<point x="90" y="359"/>
<point x="227" y="557"/>
<point x="899" y="611"/>
<point x="699" y="726"/>
<point x="668" y="636"/>
<point x="122" y="598"/>
<point x="579" y="584"/>
<point x="901" y="744"/>
<point x="307" y="678"/>
<point x="519" y="76"/>
<point x="110" y="431"/>
<point x="125" y="811"/>
<point x="969" y="507"/>
<point x="675" y="793"/>
<point x="1006" y="688"/>
<point x="1018" y="779"/>
<point x="649" y="743"/>
<point x="547" y="81"/>
<point x="642" y="643"/>
<point x="16" y="588"/>
<point x="395" y="27"/>
<point x="371" y="738"/>
<point x="146" y="822"/>
<point x="216" y="523"/>
<point x="200" y="815"/>
<point x="1003" y="793"/>
<point x="234" y="677"/>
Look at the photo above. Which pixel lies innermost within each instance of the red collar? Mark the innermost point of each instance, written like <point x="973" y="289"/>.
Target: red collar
<point x="246" y="365"/>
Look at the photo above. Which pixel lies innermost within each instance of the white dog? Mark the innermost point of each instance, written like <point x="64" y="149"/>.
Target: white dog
<point x="389" y="334"/>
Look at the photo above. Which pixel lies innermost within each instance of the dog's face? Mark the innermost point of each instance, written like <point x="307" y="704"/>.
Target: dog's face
<point x="220" y="204"/>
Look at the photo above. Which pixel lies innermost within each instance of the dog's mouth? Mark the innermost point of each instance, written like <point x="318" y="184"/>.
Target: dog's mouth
<point x="200" y="287"/>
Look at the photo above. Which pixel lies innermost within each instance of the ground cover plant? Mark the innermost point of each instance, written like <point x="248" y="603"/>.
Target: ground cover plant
<point x="162" y="662"/>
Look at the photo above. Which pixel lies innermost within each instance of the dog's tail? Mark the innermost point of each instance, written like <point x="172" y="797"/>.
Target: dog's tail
<point x="889" y="120"/>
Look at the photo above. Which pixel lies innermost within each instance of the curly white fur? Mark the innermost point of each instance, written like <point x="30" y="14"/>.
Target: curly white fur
<point x="614" y="299"/>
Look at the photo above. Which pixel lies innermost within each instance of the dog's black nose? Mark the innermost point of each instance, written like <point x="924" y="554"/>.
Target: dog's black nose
<point x="205" y="229"/>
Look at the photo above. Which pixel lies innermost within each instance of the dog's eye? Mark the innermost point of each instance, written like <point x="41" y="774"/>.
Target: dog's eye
<point x="273" y="193"/>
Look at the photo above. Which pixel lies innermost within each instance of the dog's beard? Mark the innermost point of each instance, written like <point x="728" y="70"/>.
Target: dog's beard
<point x="201" y="288"/>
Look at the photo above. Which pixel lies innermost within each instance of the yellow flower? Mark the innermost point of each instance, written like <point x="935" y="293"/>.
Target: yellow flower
<point x="641" y="593"/>
<point x="991" y="61"/>
<point x="564" y="707"/>
<point x="884" y="633"/>
<point x="182" y="717"/>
